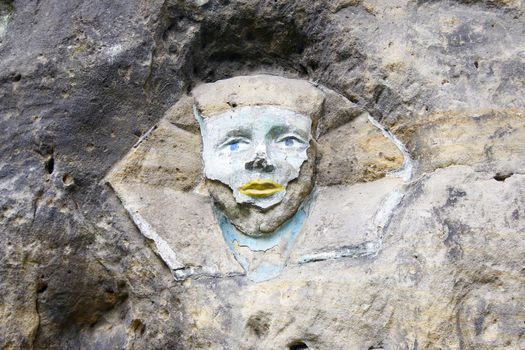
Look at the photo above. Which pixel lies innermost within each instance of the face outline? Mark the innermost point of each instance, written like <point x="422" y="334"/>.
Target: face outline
<point x="256" y="151"/>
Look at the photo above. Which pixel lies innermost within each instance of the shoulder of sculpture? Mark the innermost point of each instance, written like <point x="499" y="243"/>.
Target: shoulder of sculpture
<point x="347" y="220"/>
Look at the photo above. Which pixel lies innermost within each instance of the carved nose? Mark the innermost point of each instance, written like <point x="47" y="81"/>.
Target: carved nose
<point x="259" y="163"/>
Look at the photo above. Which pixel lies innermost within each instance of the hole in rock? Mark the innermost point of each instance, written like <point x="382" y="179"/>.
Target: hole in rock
<point x="137" y="325"/>
<point x="249" y="35"/>
<point x="68" y="180"/>
<point x="476" y="64"/>
<point x="41" y="288"/>
<point x="303" y="69"/>
<point x="297" y="346"/>
<point x="313" y="65"/>
<point x="249" y="39"/>
<point x="353" y="98"/>
<point x="49" y="164"/>
<point x="502" y="176"/>
<point x="376" y="347"/>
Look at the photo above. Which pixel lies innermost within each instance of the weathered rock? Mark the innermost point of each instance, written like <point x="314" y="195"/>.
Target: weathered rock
<point x="172" y="160"/>
<point x="430" y="286"/>
<point x="446" y="139"/>
<point x="356" y="152"/>
<point x="82" y="82"/>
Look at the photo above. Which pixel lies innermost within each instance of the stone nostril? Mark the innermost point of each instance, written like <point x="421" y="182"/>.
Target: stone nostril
<point x="269" y="168"/>
<point x="259" y="164"/>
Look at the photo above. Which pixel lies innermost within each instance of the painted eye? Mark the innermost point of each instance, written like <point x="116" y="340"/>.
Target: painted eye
<point x="235" y="144"/>
<point x="290" y="141"/>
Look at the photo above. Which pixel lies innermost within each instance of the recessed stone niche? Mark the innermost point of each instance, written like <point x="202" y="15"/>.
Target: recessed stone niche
<point x="333" y="210"/>
<point x="329" y="209"/>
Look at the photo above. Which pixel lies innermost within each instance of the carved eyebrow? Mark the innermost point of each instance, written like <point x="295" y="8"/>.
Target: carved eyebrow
<point x="279" y="130"/>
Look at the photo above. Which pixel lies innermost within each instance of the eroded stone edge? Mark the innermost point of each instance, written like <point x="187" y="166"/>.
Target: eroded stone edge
<point x="382" y="216"/>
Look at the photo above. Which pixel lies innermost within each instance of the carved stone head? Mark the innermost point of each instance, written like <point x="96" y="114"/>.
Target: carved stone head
<point x="258" y="148"/>
<point x="259" y="142"/>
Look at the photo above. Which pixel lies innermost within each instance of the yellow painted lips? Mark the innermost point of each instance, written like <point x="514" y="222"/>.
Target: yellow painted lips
<point x="260" y="188"/>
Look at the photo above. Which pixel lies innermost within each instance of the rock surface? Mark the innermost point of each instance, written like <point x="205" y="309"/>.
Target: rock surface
<point x="81" y="82"/>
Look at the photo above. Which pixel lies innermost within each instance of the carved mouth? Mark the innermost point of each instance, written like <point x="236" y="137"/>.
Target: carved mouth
<point x="260" y="188"/>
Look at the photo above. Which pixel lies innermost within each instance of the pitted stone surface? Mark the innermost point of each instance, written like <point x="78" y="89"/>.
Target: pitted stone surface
<point x="81" y="82"/>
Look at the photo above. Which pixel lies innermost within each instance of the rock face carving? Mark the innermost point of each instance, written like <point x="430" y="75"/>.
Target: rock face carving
<point x="259" y="151"/>
<point x="272" y="119"/>
<point x="251" y="153"/>
<point x="256" y="151"/>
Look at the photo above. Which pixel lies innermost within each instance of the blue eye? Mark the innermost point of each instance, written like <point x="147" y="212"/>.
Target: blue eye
<point x="291" y="140"/>
<point x="234" y="144"/>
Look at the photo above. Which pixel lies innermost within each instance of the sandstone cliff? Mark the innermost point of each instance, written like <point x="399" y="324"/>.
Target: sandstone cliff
<point x="82" y="81"/>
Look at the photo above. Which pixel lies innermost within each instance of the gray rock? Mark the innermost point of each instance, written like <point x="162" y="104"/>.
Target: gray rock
<point x="82" y="82"/>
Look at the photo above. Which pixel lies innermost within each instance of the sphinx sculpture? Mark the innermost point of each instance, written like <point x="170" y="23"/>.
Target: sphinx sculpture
<point x="258" y="162"/>
<point x="259" y="151"/>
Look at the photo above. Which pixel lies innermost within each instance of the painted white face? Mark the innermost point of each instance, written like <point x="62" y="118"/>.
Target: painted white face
<point x="256" y="151"/>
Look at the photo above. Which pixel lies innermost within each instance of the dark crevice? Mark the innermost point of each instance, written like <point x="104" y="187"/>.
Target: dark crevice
<point x="41" y="287"/>
<point x="299" y="345"/>
<point x="378" y="91"/>
<point x="250" y="39"/>
<point x="502" y="176"/>
<point x="49" y="164"/>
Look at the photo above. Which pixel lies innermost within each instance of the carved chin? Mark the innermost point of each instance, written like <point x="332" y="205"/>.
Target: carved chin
<point x="254" y="221"/>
